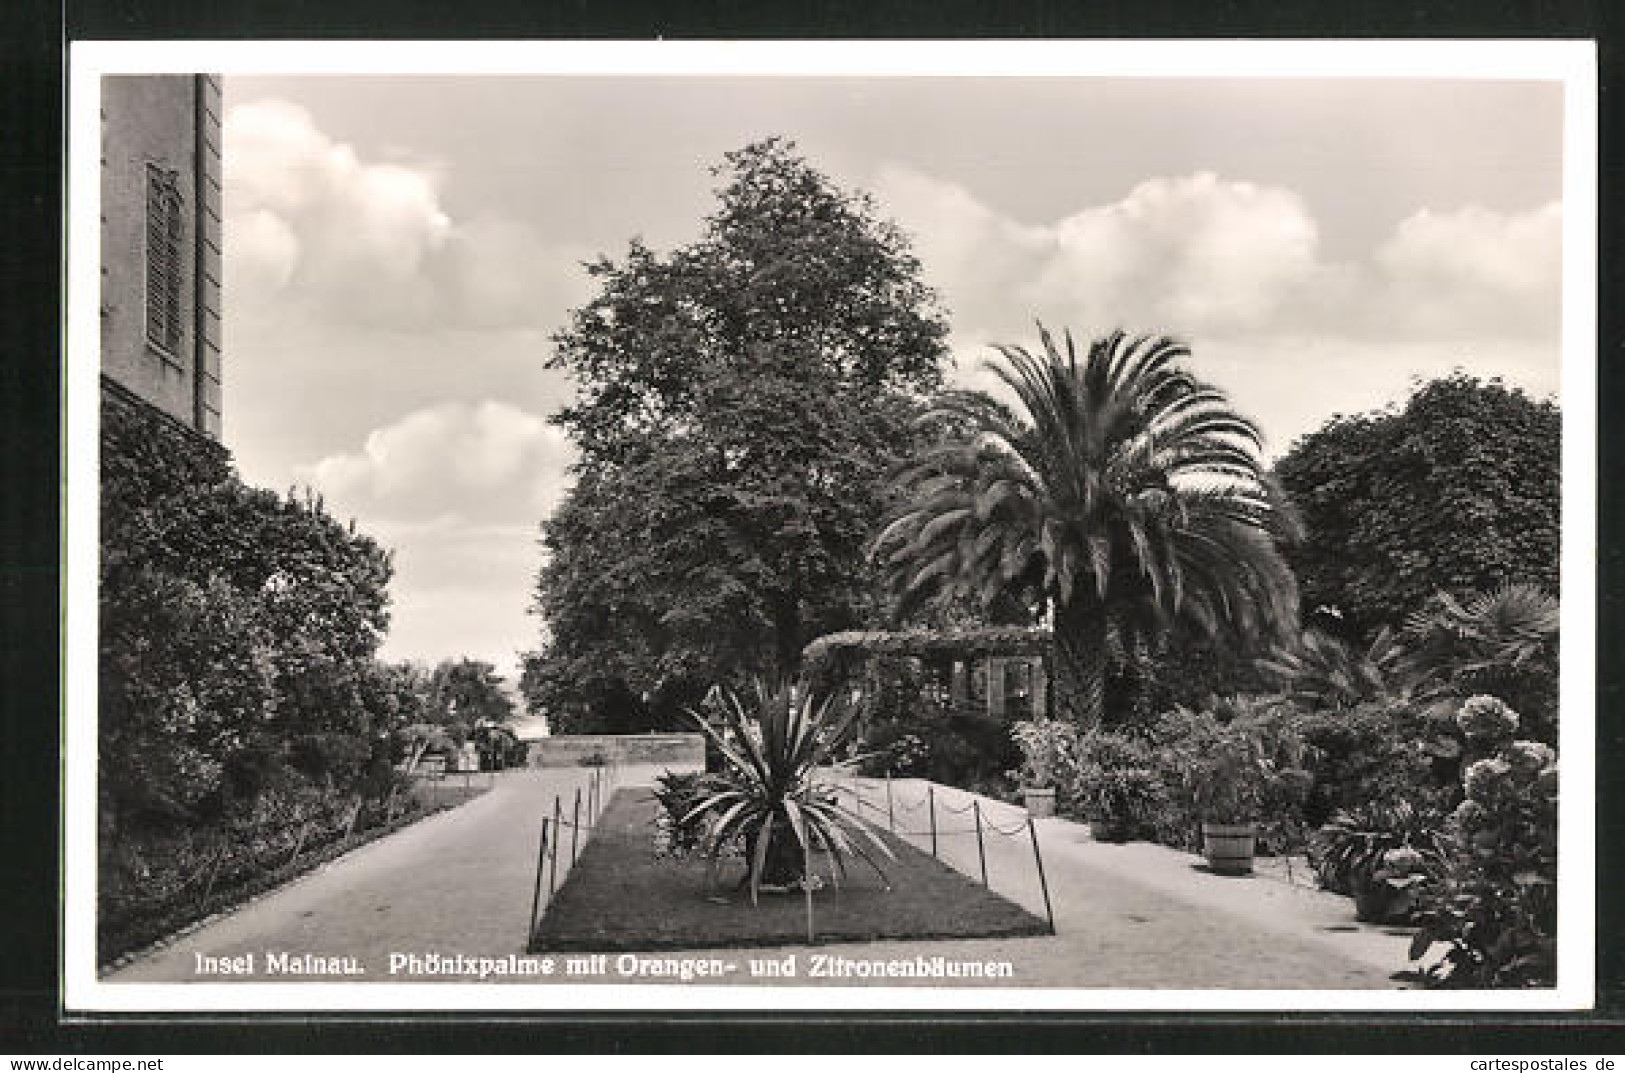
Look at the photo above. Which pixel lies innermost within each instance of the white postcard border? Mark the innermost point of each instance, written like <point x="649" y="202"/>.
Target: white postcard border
<point x="1573" y="63"/>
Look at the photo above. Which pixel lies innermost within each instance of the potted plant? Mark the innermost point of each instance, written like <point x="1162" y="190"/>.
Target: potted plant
<point x="1048" y="753"/>
<point x="1228" y="781"/>
<point x="1382" y="855"/>
<point x="1235" y="774"/>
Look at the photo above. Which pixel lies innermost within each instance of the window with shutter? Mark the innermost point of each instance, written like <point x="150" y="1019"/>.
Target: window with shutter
<point x="164" y="225"/>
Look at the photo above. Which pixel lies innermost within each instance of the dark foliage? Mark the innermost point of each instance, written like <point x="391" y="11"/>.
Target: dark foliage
<point x="1456" y="490"/>
<point x="241" y="707"/>
<point x="741" y="401"/>
<point x="1384" y="855"/>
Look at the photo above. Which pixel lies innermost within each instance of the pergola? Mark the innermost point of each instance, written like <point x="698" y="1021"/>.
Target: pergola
<point x="999" y="648"/>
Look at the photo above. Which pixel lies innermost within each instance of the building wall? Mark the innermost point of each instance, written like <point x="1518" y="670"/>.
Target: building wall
<point x="173" y="122"/>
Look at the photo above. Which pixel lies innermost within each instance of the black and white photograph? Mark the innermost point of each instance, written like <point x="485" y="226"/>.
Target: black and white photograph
<point x="855" y="525"/>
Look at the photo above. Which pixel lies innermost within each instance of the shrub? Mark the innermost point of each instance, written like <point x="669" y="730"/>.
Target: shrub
<point x="1496" y="910"/>
<point x="1378" y="753"/>
<point x="1049" y="752"/>
<point x="896" y="751"/>
<point x="1243" y="769"/>
<point x="909" y="733"/>
<point x="679" y="833"/>
<point x="237" y="685"/>
<point x="1229" y="780"/>
<point x="1117" y="786"/>
<point x="1384" y="855"/>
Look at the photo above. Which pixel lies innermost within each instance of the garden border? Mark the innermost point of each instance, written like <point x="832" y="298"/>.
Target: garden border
<point x="271" y="882"/>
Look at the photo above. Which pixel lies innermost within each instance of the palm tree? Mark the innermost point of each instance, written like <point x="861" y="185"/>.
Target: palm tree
<point x="1503" y="642"/>
<point x="1509" y="629"/>
<point x="1124" y="496"/>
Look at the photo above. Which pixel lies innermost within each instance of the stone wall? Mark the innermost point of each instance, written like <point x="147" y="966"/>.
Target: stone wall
<point x="678" y="752"/>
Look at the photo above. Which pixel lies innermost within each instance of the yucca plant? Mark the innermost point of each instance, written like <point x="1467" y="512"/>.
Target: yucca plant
<point x="774" y="801"/>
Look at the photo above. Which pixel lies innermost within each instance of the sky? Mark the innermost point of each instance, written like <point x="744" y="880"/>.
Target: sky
<point x="399" y="251"/>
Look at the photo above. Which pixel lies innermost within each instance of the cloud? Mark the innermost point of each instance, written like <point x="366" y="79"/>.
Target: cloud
<point x="1208" y="258"/>
<point x="461" y="463"/>
<point x="1192" y="251"/>
<point x="307" y="219"/>
<point x="458" y="490"/>
<point x="1492" y="272"/>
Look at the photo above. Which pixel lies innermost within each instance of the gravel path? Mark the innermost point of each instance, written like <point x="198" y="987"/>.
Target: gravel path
<point x="1129" y="916"/>
<point x="1137" y="915"/>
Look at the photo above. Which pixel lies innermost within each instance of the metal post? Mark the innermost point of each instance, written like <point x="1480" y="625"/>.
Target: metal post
<point x="891" y="814"/>
<point x="981" y="850"/>
<point x="536" y="897"/>
<point x="1043" y="883"/>
<point x="931" y="797"/>
<point x="806" y="887"/>
<point x="575" y="826"/>
<point x="553" y="873"/>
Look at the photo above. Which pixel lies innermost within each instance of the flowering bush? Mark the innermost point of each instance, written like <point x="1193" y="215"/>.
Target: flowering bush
<point x="908" y="754"/>
<point x="1049" y="752"/>
<point x="1486" y="721"/>
<point x="1496" y="913"/>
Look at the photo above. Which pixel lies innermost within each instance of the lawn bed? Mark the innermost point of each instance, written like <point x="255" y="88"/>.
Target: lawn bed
<point x="620" y="896"/>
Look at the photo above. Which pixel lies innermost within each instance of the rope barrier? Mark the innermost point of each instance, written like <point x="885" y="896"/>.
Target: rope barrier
<point x="901" y="807"/>
<point x="1014" y="832"/>
<point x="587" y="798"/>
<point x="981" y="828"/>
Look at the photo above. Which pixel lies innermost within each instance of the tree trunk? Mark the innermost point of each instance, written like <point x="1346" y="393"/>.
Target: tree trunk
<point x="784" y="865"/>
<point x="1080" y="665"/>
<point x="787" y="634"/>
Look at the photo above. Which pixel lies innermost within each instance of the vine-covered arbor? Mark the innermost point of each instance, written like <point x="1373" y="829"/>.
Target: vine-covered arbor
<point x="1006" y="668"/>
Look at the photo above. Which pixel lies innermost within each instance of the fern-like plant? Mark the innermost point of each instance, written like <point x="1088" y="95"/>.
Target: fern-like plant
<point x="1322" y="672"/>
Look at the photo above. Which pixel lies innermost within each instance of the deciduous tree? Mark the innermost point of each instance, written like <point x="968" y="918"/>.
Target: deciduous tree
<point x="1456" y="491"/>
<point x="740" y="402"/>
